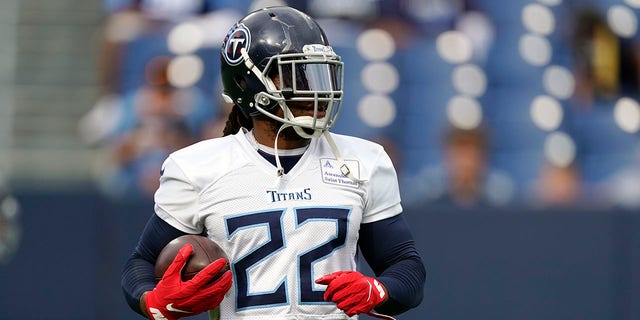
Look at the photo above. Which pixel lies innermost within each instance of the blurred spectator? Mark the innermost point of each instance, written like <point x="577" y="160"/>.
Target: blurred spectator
<point x="148" y="106"/>
<point x="605" y="64"/>
<point x="139" y="154"/>
<point x="465" y="178"/>
<point x="129" y="21"/>
<point x="144" y="127"/>
<point x="558" y="186"/>
<point x="157" y="98"/>
<point x="139" y="31"/>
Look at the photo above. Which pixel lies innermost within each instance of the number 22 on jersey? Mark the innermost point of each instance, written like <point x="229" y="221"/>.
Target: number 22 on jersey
<point x="276" y="236"/>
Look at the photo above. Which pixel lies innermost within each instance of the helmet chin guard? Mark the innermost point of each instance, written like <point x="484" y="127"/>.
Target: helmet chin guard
<point x="306" y="122"/>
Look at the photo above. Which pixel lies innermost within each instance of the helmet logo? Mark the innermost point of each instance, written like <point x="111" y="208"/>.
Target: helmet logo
<point x="237" y="38"/>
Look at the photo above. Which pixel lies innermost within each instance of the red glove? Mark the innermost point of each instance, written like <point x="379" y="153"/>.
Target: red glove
<point x="353" y="292"/>
<point x="172" y="298"/>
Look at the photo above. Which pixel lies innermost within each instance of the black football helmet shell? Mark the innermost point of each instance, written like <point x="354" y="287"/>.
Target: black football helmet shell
<point x="278" y="56"/>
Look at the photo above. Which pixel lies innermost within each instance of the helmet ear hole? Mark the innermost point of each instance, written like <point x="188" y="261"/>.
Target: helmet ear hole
<point x="240" y="82"/>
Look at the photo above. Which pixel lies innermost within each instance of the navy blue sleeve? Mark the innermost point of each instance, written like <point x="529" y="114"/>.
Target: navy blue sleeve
<point x="389" y="249"/>
<point x="138" y="274"/>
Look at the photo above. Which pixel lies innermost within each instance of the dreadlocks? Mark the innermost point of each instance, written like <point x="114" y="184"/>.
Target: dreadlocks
<point x="236" y="121"/>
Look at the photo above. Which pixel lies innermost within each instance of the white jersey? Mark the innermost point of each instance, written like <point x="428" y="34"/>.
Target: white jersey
<point x="280" y="233"/>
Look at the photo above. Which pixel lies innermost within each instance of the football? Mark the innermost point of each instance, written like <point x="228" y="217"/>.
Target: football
<point x="205" y="251"/>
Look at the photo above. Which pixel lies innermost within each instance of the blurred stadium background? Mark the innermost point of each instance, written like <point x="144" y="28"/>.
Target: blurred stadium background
<point x="548" y="89"/>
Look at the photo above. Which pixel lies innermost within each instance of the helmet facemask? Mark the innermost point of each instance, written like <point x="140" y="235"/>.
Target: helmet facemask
<point x="309" y="82"/>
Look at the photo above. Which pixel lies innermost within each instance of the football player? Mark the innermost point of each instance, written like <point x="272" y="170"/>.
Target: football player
<point x="290" y="202"/>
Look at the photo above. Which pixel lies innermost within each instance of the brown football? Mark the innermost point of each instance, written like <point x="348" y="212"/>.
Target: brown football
<point x="205" y="251"/>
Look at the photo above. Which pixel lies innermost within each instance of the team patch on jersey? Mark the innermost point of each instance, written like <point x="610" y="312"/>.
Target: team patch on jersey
<point x="332" y="173"/>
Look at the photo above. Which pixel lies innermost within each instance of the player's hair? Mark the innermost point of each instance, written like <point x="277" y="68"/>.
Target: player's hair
<point x="236" y="121"/>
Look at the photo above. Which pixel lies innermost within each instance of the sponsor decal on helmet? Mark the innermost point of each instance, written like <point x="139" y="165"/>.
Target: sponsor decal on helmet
<point x="317" y="48"/>
<point x="238" y="37"/>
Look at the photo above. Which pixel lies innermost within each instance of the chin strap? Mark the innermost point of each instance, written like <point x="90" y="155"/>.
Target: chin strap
<point x="344" y="168"/>
<point x="279" y="167"/>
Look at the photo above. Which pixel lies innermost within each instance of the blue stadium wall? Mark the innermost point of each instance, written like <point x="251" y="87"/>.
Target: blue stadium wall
<point x="482" y="264"/>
